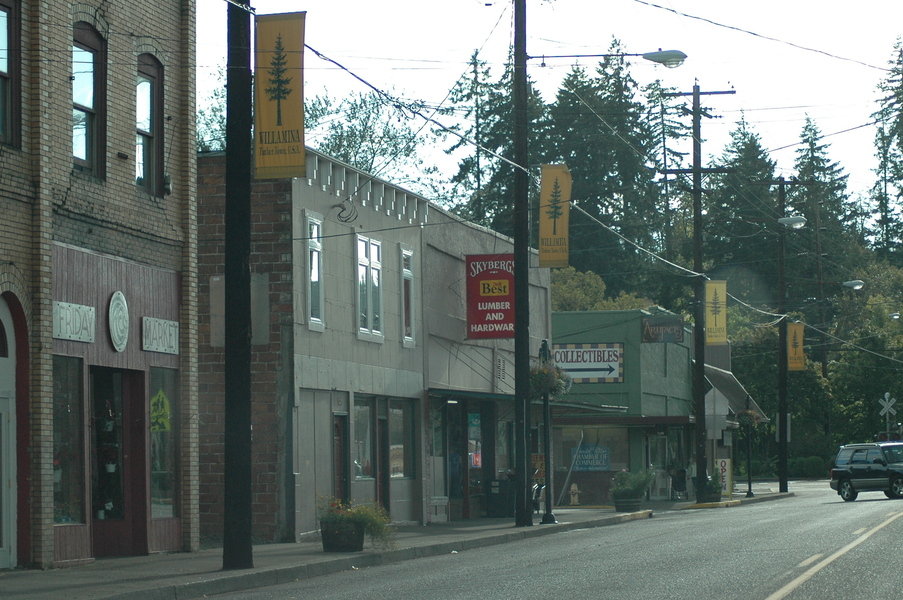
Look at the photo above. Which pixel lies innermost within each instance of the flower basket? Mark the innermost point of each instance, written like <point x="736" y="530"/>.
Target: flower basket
<point x="342" y="536"/>
<point x="342" y="526"/>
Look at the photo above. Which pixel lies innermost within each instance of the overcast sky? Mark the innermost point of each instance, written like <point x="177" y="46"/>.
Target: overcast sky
<point x="785" y="59"/>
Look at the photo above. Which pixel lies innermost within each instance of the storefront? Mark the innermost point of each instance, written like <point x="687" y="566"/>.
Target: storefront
<point x="472" y="454"/>
<point x="116" y="407"/>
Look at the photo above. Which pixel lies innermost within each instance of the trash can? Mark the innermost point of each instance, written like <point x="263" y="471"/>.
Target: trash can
<point x="501" y="498"/>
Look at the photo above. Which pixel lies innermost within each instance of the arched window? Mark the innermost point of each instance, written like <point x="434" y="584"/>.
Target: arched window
<point x="88" y="99"/>
<point x="149" y="125"/>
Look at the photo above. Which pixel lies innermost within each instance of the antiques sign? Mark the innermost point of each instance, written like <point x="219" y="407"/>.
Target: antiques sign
<point x="663" y="329"/>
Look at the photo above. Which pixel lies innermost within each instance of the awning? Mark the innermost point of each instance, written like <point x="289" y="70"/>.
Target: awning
<point x="738" y="398"/>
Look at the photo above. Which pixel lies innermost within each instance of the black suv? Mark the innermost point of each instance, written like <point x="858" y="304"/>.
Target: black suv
<point x="872" y="467"/>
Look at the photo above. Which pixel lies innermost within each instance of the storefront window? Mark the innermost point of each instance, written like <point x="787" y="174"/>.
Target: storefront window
<point x="363" y="438"/>
<point x="164" y="410"/>
<point x="401" y="439"/>
<point x="68" y="441"/>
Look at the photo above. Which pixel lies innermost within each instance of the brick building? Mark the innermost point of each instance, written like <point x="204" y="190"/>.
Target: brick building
<point x="97" y="253"/>
<point x="364" y="384"/>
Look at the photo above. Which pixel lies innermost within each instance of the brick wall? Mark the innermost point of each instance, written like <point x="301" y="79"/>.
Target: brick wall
<point x="43" y="199"/>
<point x="271" y="363"/>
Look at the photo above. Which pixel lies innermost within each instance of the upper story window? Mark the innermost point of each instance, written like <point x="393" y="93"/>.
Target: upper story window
<point x="369" y="283"/>
<point x="407" y="297"/>
<point x="315" y="271"/>
<point x="9" y="72"/>
<point x="149" y="125"/>
<point x="88" y="99"/>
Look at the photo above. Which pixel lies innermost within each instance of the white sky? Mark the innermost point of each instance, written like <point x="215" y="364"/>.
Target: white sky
<point x="419" y="49"/>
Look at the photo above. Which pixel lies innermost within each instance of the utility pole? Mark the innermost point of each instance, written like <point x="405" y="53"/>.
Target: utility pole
<point x="701" y="440"/>
<point x="782" y="347"/>
<point x="237" y="550"/>
<point x="523" y="513"/>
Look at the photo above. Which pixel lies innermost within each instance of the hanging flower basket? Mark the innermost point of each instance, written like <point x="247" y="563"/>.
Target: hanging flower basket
<point x="548" y="380"/>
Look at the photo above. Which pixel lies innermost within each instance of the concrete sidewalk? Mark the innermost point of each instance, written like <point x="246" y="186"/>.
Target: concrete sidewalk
<point x="180" y="576"/>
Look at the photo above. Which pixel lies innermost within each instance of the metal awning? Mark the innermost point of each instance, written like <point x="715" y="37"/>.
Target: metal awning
<point x="738" y="398"/>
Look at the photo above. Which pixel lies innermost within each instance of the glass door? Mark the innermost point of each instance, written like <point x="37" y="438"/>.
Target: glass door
<point x="118" y="463"/>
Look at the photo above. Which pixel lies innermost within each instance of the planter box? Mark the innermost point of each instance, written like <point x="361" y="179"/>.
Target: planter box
<point x="342" y="536"/>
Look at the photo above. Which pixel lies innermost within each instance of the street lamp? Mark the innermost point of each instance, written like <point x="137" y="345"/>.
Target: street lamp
<point x="669" y="58"/>
<point x="854" y="284"/>
<point x="523" y="515"/>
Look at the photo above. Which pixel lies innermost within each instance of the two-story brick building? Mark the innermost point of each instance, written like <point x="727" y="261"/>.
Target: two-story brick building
<point x="364" y="384"/>
<point x="97" y="313"/>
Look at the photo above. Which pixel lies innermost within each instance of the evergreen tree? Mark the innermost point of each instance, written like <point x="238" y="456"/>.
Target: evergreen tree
<point x="887" y="194"/>
<point x="483" y="180"/>
<point x="741" y="219"/>
<point x="599" y="128"/>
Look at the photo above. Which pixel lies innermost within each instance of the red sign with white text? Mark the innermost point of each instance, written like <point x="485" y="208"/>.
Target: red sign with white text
<point x="490" y="296"/>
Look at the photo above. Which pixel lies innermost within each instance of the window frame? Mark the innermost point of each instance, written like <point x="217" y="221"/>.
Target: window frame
<point x="11" y="105"/>
<point x="86" y="37"/>
<point x="407" y="296"/>
<point x="373" y="313"/>
<point x="151" y="69"/>
<point x="402" y="410"/>
<point x="314" y="245"/>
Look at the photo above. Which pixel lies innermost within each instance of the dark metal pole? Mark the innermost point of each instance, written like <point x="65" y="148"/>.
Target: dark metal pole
<point x="548" y="518"/>
<point x="749" y="426"/>
<point x="699" y="308"/>
<point x="523" y="514"/>
<point x="782" y="349"/>
<point x="237" y="550"/>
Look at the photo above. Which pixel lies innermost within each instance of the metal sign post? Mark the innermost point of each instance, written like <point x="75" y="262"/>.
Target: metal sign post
<point x="887" y="410"/>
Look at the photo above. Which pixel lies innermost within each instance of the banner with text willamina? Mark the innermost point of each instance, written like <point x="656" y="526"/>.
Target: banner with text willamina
<point x="279" y="96"/>
<point x="554" y="215"/>
<point x="490" y="296"/>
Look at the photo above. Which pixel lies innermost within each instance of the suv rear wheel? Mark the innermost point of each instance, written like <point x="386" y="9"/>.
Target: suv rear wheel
<point x="896" y="487"/>
<point x="846" y="491"/>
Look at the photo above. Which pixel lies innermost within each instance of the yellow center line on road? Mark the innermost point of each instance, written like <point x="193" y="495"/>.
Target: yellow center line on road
<point x="790" y="587"/>
<point x="809" y="561"/>
<point x="858" y="531"/>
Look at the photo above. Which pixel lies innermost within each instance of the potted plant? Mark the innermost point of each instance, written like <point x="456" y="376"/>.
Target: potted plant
<point x="343" y="525"/>
<point x="710" y="491"/>
<point x="109" y="456"/>
<point x="629" y="487"/>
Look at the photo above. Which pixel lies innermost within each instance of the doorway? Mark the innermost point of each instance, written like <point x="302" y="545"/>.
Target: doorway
<point x="118" y="463"/>
<point x="8" y="488"/>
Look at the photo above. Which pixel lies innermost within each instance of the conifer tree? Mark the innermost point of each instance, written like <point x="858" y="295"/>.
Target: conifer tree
<point x="887" y="194"/>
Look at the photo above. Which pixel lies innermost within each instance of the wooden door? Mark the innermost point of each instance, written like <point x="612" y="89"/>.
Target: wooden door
<point x="7" y="439"/>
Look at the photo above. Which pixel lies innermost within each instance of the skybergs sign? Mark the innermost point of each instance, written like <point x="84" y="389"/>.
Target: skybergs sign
<point x="490" y="296"/>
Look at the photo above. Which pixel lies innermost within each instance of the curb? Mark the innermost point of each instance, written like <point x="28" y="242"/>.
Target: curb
<point x="730" y="503"/>
<point x="257" y="578"/>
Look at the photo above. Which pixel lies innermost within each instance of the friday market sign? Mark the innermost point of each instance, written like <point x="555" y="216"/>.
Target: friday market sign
<point x="279" y="96"/>
<point x="490" y="296"/>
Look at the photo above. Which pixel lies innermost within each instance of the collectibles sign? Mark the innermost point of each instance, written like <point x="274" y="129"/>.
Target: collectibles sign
<point x="490" y="296"/>
<point x="279" y="96"/>
<point x="591" y="363"/>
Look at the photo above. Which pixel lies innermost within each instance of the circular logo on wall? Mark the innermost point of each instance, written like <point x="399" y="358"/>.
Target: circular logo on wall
<point x="119" y="321"/>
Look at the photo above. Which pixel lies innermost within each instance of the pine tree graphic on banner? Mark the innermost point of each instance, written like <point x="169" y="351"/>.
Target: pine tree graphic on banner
<point x="554" y="211"/>
<point x="279" y="89"/>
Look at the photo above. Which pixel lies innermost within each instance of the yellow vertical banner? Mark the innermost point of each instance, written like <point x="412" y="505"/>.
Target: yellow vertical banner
<point x="796" y="354"/>
<point x="715" y="312"/>
<point x="554" y="214"/>
<point x="279" y="96"/>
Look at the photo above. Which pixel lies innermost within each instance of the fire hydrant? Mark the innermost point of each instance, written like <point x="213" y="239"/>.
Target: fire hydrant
<point x="575" y="495"/>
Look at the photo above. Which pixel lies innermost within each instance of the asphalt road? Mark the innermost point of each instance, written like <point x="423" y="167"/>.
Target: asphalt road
<point x="811" y="546"/>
